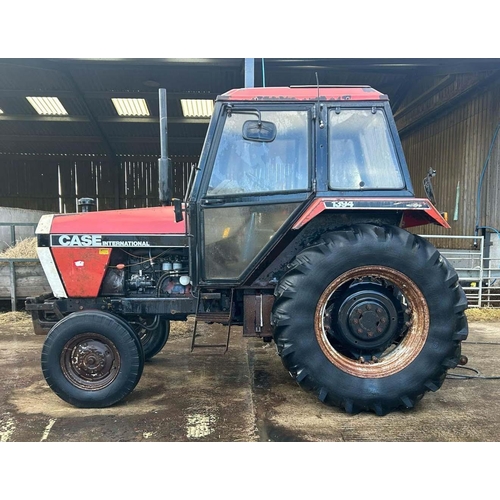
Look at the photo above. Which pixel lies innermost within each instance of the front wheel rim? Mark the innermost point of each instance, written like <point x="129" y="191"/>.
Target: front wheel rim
<point x="408" y="347"/>
<point x="90" y="361"/>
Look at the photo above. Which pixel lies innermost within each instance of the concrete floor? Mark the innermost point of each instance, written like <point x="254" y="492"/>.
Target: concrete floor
<point x="244" y="395"/>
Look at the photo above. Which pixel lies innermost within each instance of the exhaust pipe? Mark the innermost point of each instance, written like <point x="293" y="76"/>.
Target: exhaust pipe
<point x="164" y="163"/>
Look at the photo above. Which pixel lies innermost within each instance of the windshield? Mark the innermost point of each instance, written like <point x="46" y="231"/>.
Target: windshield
<point x="361" y="151"/>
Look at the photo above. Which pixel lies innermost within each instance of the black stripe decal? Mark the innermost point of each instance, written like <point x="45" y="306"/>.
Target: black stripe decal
<point x="117" y="240"/>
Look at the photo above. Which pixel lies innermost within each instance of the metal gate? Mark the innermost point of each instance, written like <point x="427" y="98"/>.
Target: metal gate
<point x="479" y="274"/>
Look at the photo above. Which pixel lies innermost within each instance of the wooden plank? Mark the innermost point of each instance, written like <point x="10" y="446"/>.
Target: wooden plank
<point x="30" y="280"/>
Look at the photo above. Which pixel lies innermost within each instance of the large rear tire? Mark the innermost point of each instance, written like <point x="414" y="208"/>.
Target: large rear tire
<point x="92" y="359"/>
<point x="370" y="319"/>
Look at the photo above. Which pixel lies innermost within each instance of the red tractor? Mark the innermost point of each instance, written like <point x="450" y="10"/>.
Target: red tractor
<point x="293" y="227"/>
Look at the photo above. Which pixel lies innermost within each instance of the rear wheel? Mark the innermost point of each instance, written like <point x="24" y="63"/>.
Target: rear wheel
<point x="92" y="359"/>
<point x="380" y="323"/>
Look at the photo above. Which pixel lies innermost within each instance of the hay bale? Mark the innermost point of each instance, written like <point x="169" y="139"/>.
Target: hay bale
<point x="24" y="249"/>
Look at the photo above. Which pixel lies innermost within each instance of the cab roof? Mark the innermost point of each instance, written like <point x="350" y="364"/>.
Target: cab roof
<point x="305" y="93"/>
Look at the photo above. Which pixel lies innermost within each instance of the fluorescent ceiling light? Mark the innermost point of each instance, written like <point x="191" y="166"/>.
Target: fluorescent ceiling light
<point x="131" y="107"/>
<point x="47" y="105"/>
<point x="197" y="108"/>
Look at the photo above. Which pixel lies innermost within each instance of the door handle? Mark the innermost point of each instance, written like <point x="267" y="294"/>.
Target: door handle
<point x="213" y="201"/>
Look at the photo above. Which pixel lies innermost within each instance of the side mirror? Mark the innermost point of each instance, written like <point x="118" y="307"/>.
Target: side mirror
<point x="429" y="191"/>
<point x="259" y="131"/>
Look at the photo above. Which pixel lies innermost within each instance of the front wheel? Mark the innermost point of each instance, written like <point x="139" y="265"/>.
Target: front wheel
<point x="370" y="319"/>
<point x="153" y="334"/>
<point x="92" y="359"/>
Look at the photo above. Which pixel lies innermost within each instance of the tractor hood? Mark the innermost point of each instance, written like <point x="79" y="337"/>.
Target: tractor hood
<point x="156" y="220"/>
<point x="110" y="228"/>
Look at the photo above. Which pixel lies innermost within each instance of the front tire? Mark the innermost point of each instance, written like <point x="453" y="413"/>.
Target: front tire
<point x="153" y="338"/>
<point x="92" y="359"/>
<point x="370" y="319"/>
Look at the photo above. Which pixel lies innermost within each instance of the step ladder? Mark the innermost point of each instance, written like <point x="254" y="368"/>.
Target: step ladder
<point x="212" y="317"/>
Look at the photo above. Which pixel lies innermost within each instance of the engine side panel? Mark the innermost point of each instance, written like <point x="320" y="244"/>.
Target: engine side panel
<point x="81" y="269"/>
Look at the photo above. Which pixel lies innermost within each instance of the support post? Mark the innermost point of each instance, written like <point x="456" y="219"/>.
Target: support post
<point x="249" y="72"/>
<point x="13" y="298"/>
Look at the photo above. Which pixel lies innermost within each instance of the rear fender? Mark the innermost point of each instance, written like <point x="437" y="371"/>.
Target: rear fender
<point x="416" y="211"/>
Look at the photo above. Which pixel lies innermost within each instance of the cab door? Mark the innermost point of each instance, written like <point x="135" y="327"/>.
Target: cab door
<point x="257" y="178"/>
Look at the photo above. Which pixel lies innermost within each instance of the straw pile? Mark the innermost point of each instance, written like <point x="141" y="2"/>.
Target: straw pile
<point x="483" y="314"/>
<point x="24" y="249"/>
<point x="17" y="318"/>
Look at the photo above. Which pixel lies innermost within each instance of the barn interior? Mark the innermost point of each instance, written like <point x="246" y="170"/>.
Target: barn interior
<point x="67" y="129"/>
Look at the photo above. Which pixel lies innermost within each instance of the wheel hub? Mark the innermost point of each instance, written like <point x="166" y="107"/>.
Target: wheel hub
<point x="92" y="360"/>
<point x="365" y="319"/>
<point x="391" y="350"/>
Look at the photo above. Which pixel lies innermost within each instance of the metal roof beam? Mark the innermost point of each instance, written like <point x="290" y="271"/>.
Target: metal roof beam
<point x="225" y="62"/>
<point x="443" y="83"/>
<point x="106" y="94"/>
<point x="153" y="119"/>
<point x="44" y="118"/>
<point x="93" y="139"/>
<point x="449" y="105"/>
<point x="426" y="67"/>
<point x="402" y="91"/>
<point x="49" y="138"/>
<point x="102" y="119"/>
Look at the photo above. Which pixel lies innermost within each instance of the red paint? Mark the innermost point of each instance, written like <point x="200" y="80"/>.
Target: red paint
<point x="411" y="216"/>
<point x="155" y="220"/>
<point x="316" y="207"/>
<point x="304" y="94"/>
<point x="81" y="269"/>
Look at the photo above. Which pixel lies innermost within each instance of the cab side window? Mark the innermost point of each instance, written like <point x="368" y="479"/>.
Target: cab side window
<point x="361" y="152"/>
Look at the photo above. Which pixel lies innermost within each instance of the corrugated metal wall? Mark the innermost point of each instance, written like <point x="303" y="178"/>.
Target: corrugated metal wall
<point x="55" y="184"/>
<point x="456" y="146"/>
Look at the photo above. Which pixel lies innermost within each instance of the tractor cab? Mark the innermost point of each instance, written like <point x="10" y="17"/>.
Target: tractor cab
<point x="269" y="154"/>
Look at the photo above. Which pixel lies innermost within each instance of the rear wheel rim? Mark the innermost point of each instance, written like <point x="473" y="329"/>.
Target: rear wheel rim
<point x="90" y="361"/>
<point x="410" y="339"/>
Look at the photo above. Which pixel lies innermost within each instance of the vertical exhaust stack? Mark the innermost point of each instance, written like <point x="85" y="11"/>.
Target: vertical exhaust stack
<point x="164" y="163"/>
